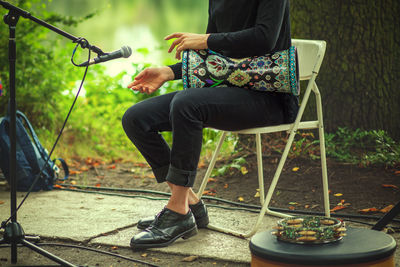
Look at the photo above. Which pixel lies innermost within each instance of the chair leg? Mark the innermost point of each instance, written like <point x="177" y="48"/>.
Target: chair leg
<point x="321" y="134"/>
<point x="271" y="190"/>
<point x="325" y="186"/>
<point x="260" y="168"/>
<point x="265" y="200"/>
<point x="211" y="165"/>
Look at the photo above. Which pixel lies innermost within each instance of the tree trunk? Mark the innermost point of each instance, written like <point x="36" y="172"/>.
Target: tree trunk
<point x="359" y="77"/>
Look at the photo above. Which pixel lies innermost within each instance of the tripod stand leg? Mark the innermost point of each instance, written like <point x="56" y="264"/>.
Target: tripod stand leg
<point x="14" y="235"/>
<point x="387" y="218"/>
<point x="46" y="254"/>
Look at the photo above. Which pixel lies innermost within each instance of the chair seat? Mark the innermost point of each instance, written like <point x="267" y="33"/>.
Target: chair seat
<point x="279" y="128"/>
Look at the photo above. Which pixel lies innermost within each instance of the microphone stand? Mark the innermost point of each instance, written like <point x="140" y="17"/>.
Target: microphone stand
<point x="387" y="218"/>
<point x="14" y="234"/>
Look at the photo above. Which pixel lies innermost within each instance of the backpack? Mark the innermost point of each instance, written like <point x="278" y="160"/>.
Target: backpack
<point x="31" y="156"/>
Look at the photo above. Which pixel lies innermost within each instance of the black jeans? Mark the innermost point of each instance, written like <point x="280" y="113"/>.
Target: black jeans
<point x="186" y="113"/>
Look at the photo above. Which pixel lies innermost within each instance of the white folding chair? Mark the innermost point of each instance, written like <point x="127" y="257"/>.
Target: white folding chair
<point x="310" y="56"/>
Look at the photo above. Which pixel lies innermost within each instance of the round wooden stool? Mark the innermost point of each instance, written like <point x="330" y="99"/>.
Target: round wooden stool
<point x="360" y="248"/>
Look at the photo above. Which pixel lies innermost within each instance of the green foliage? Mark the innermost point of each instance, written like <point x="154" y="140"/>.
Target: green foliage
<point x="236" y="164"/>
<point x="372" y="147"/>
<point x="46" y="84"/>
<point x="42" y="68"/>
<point x="305" y="145"/>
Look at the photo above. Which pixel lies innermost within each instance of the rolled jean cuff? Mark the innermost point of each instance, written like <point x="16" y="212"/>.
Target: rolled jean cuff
<point x="181" y="177"/>
<point x="161" y="173"/>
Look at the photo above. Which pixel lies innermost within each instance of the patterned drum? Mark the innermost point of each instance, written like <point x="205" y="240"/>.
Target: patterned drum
<point x="276" y="72"/>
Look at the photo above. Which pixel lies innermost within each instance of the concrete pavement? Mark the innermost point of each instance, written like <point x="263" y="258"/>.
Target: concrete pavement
<point x="111" y="220"/>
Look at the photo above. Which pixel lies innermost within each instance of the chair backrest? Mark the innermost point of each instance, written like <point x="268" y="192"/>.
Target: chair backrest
<point x="310" y="55"/>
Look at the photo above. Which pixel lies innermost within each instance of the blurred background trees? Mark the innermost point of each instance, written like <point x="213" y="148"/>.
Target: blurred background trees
<point x="359" y="78"/>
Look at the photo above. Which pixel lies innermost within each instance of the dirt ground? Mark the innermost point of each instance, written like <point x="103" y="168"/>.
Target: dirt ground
<point x="354" y="190"/>
<point x="352" y="187"/>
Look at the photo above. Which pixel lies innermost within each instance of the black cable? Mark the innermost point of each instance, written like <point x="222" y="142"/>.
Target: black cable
<point x="38" y="176"/>
<point x="90" y="249"/>
<point x="240" y="206"/>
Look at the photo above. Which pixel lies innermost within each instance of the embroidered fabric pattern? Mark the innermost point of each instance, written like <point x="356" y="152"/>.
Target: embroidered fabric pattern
<point x="277" y="72"/>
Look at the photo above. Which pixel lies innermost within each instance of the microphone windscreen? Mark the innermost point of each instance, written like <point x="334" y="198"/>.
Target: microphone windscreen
<point x="126" y="51"/>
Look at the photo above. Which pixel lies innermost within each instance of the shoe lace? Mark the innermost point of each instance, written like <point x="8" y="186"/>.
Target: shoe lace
<point x="158" y="216"/>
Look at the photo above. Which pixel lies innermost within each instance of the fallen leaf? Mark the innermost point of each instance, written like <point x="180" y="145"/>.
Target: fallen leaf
<point x="58" y="186"/>
<point x="212" y="179"/>
<point x="141" y="164"/>
<point x="2" y="202"/>
<point x="295" y="169"/>
<point x="306" y="206"/>
<point x="257" y="194"/>
<point x="155" y="259"/>
<point x="73" y="182"/>
<point x="293" y="203"/>
<point x="226" y="186"/>
<point x="84" y="169"/>
<point x="338" y="208"/>
<point x="209" y="193"/>
<point x="390" y="186"/>
<point x="111" y="166"/>
<point x="114" y="247"/>
<point x="244" y="170"/>
<point x="338" y="194"/>
<point x="98" y="185"/>
<point x="387" y="209"/>
<point x="118" y="160"/>
<point x="74" y="172"/>
<point x="201" y="165"/>
<point x="144" y="255"/>
<point x="190" y="258"/>
<point x="397" y="172"/>
<point x="240" y="199"/>
<point x="368" y="210"/>
<point x="291" y="207"/>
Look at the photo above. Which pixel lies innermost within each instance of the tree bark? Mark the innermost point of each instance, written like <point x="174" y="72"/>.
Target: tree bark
<point x="359" y="77"/>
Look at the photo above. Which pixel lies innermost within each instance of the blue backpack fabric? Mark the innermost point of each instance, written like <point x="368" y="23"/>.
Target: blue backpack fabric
<point x="31" y="156"/>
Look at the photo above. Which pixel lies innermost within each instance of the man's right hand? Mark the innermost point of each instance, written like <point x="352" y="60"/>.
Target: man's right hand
<point x="150" y="79"/>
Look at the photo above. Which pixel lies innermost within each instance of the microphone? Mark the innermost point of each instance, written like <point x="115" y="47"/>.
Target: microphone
<point x="125" y="52"/>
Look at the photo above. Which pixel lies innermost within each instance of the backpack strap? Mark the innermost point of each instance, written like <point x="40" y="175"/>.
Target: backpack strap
<point x="65" y="168"/>
<point x="26" y="146"/>
<point x="33" y="134"/>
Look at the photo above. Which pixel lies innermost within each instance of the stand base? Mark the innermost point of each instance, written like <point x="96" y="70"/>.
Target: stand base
<point x="387" y="218"/>
<point x="14" y="235"/>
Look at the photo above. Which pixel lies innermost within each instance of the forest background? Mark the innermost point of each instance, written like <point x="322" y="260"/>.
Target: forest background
<point x="359" y="78"/>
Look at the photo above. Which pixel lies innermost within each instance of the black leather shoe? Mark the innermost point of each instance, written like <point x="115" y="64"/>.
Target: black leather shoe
<point x="199" y="211"/>
<point x="167" y="227"/>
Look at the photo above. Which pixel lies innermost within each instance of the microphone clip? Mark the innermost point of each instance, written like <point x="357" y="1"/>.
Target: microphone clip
<point x="97" y="50"/>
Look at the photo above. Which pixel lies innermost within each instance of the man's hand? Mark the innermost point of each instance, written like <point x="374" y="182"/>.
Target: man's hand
<point x="186" y="41"/>
<point x="150" y="79"/>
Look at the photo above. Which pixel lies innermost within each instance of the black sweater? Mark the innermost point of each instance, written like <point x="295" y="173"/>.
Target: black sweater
<point x="244" y="28"/>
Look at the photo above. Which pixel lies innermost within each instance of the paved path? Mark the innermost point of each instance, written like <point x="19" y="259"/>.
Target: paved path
<point x="111" y="220"/>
